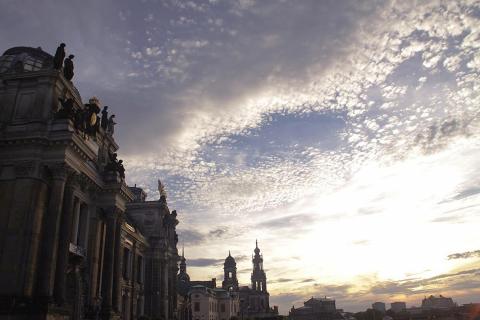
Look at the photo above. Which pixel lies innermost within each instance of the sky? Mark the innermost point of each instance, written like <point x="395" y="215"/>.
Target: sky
<point x="343" y="135"/>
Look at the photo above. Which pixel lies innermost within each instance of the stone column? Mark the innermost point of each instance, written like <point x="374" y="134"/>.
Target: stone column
<point x="108" y="264"/>
<point x="165" y="288"/>
<point x="134" y="275"/>
<point x="117" y="267"/>
<point x="69" y="206"/>
<point x="93" y="250"/>
<point x="173" y="287"/>
<point x="75" y="222"/>
<point x="51" y="231"/>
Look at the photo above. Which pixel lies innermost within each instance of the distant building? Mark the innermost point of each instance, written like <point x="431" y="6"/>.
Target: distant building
<point x="254" y="301"/>
<point x="213" y="304"/>
<point x="439" y="302"/>
<point x="398" y="306"/>
<point x="316" y="309"/>
<point x="379" y="306"/>
<point x="230" y="282"/>
<point x="202" y="300"/>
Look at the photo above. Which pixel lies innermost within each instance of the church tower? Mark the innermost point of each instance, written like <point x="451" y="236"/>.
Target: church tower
<point x="183" y="279"/>
<point x="183" y="275"/>
<point x="259" y="279"/>
<point x="230" y="282"/>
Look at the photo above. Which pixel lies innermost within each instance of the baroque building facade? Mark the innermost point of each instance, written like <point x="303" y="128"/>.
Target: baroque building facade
<point x="76" y="242"/>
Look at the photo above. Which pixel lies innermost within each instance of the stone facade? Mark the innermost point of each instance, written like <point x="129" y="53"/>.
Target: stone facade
<point x="68" y="248"/>
<point x="213" y="304"/>
<point x="158" y="225"/>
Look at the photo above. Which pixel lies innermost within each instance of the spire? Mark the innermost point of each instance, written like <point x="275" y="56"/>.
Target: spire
<point x="256" y="250"/>
<point x="229" y="253"/>
<point x="183" y="251"/>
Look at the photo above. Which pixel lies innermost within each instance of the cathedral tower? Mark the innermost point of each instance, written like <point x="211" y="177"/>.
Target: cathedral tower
<point x="230" y="282"/>
<point x="259" y="279"/>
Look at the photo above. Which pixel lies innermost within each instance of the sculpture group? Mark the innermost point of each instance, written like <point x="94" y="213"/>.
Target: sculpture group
<point x="58" y="60"/>
<point x="87" y="121"/>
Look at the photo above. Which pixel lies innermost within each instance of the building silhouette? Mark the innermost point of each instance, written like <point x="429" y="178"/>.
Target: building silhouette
<point x="398" y="306"/>
<point x="437" y="303"/>
<point x="230" y="282"/>
<point x="316" y="309"/>
<point x="255" y="301"/>
<point x="75" y="242"/>
<point x="199" y="300"/>
<point x="379" y="306"/>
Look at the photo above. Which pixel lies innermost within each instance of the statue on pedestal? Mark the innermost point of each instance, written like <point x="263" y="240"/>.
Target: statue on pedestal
<point x="121" y="169"/>
<point x="161" y="190"/>
<point x="104" y="121"/>
<point x="115" y="165"/>
<point x="111" y="124"/>
<point x="59" y="56"/>
<point x="68" y="67"/>
<point x="66" y="111"/>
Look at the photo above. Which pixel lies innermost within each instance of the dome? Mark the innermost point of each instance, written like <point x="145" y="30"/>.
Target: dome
<point x="25" y="59"/>
<point x="230" y="261"/>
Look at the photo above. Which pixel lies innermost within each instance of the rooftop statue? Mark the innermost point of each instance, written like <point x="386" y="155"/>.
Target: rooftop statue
<point x="104" y="121"/>
<point x="115" y="165"/>
<point x="68" y="67"/>
<point x="66" y="111"/>
<point x="111" y="124"/>
<point x="59" y="56"/>
<point x="161" y="189"/>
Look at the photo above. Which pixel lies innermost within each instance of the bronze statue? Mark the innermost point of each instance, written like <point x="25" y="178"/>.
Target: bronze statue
<point x="59" y="56"/>
<point x="104" y="121"/>
<point x="68" y="67"/>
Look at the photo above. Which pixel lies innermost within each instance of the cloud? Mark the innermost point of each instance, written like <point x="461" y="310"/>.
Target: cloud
<point x="287" y="222"/>
<point x="464" y="255"/>
<point x="361" y="242"/>
<point x="204" y="262"/>
<point x="190" y="237"/>
<point x="281" y="280"/>
<point x="307" y="280"/>
<point x="446" y="281"/>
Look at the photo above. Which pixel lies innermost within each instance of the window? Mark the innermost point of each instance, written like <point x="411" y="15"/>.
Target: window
<point x="5" y="63"/>
<point x="32" y="64"/>
<point x="196" y="306"/>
